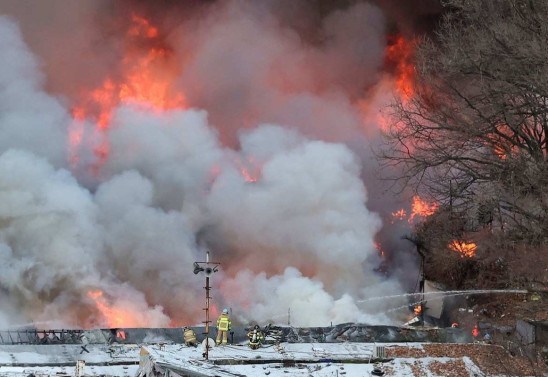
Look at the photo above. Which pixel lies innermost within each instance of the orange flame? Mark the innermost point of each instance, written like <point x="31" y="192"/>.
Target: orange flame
<point x="121" y="334"/>
<point x="214" y="311"/>
<point x="502" y="147"/>
<point x="379" y="248"/>
<point x="500" y="152"/>
<point x="249" y="169"/>
<point x="113" y="316"/>
<point x="417" y="309"/>
<point x="247" y="175"/>
<point x="399" y="56"/>
<point x="399" y="215"/>
<point x="466" y="249"/>
<point x="398" y="62"/>
<point x="76" y="134"/>
<point x="148" y="69"/>
<point x="420" y="207"/>
<point x="142" y="27"/>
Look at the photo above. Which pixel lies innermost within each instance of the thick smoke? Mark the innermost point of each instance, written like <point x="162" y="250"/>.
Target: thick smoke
<point x="265" y="170"/>
<point x="278" y="77"/>
<point x="30" y="119"/>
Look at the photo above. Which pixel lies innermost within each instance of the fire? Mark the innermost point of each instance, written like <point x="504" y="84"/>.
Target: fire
<point x="398" y="63"/>
<point x="249" y="169"/>
<point x="399" y="215"/>
<point x="399" y="56"/>
<point x="420" y="207"/>
<point x="247" y="176"/>
<point x="466" y="249"/>
<point x="141" y="26"/>
<point x="121" y="334"/>
<point x="113" y="316"/>
<point x="500" y="152"/>
<point x="417" y="309"/>
<point x="148" y="69"/>
<point x="500" y="144"/>
<point x="214" y="311"/>
<point x="75" y="135"/>
<point x="147" y="74"/>
<point x="379" y="249"/>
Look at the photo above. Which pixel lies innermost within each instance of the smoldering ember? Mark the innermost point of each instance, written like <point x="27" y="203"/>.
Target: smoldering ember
<point x="246" y="188"/>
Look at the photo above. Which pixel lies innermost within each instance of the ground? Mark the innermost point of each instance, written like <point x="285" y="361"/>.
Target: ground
<point x="490" y="359"/>
<point x="495" y="317"/>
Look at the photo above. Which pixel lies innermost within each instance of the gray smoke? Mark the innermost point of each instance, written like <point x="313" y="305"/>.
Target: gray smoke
<point x="259" y="171"/>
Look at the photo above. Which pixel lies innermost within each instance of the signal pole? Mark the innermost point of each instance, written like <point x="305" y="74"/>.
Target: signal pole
<point x="208" y="268"/>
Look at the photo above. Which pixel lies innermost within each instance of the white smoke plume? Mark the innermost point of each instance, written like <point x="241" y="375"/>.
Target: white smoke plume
<point x="257" y="171"/>
<point x="30" y="119"/>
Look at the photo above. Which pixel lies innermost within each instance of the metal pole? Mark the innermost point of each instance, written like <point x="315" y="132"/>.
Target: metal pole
<point x="422" y="282"/>
<point x="207" y="321"/>
<point x="209" y="268"/>
<point x="289" y="316"/>
<point x="207" y="312"/>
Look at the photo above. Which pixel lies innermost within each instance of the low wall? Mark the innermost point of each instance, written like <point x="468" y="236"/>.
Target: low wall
<point x="348" y="332"/>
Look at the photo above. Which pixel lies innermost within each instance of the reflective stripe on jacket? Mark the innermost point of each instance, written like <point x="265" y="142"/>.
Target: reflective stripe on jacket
<point x="223" y="323"/>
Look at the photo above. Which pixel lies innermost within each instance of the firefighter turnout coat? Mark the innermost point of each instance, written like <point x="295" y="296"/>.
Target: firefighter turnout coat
<point x="223" y="323"/>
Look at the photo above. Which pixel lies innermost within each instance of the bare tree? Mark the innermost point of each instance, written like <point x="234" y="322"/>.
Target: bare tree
<point x="474" y="132"/>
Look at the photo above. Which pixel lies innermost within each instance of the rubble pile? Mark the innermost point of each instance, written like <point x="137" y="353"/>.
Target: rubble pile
<point x="494" y="360"/>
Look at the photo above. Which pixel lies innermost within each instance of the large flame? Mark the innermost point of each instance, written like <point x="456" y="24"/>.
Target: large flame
<point x="399" y="64"/>
<point x="166" y="186"/>
<point x="113" y="316"/>
<point x="399" y="55"/>
<point x="148" y="69"/>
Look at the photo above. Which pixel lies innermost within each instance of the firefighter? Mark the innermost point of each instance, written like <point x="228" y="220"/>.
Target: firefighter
<point x="256" y="337"/>
<point x="190" y="337"/>
<point x="475" y="331"/>
<point x="223" y="327"/>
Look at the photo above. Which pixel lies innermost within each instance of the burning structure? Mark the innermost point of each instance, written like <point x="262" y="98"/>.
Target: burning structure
<point x="136" y="134"/>
<point x="133" y="134"/>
